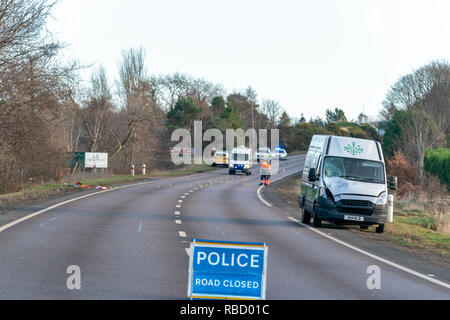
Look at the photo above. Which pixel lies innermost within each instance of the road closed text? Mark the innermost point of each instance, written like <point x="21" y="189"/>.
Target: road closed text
<point x="226" y="283"/>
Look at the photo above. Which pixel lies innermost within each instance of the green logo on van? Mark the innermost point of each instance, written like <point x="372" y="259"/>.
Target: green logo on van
<point x="354" y="149"/>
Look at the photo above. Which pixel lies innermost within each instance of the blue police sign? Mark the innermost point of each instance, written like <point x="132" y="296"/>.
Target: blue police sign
<point x="227" y="270"/>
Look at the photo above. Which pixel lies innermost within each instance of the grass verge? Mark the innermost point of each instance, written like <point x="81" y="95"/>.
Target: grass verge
<point x="10" y="201"/>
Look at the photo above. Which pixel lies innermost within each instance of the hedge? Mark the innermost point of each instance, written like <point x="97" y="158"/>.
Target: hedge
<point x="437" y="162"/>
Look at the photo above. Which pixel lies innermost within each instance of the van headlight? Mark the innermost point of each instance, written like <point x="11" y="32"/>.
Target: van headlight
<point x="382" y="200"/>
<point x="326" y="193"/>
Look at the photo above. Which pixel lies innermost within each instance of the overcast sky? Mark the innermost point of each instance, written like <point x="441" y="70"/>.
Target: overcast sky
<point x="308" y="55"/>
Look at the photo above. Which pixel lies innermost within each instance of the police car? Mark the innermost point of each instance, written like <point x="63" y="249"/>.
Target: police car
<point x="263" y="154"/>
<point x="221" y="158"/>
<point x="280" y="153"/>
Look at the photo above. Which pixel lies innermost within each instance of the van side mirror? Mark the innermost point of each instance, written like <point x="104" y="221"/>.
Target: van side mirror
<point x="312" y="175"/>
<point x="393" y="183"/>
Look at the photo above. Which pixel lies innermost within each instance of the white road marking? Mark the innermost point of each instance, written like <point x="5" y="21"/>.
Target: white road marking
<point x="261" y="198"/>
<point x="140" y="227"/>
<point x="182" y="234"/>
<point x="178" y="222"/>
<point x="392" y="264"/>
<point x="180" y="201"/>
<point x="53" y="219"/>
<point x="178" y="206"/>
<point x="295" y="220"/>
<point x="188" y="251"/>
<point x="177" y="213"/>
<point x="43" y="224"/>
<point x="183" y="197"/>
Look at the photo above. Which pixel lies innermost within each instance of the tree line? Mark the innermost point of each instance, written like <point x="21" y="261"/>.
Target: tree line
<point x="417" y="120"/>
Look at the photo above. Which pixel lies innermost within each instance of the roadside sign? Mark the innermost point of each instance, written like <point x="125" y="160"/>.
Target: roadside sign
<point x="96" y="160"/>
<point x="227" y="270"/>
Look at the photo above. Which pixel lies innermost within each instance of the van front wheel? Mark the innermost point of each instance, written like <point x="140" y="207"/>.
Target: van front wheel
<point x="306" y="216"/>
<point x="380" y="228"/>
<point x="317" y="222"/>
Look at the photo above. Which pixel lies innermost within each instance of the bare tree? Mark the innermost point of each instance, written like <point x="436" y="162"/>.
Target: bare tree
<point x="170" y="88"/>
<point x="428" y="89"/>
<point x="418" y="133"/>
<point x="33" y="85"/>
<point x="273" y="110"/>
<point x="96" y="109"/>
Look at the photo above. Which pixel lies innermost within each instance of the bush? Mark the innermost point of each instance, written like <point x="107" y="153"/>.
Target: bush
<point x="437" y="163"/>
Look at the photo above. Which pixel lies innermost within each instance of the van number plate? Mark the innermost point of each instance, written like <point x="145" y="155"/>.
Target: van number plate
<point x="354" y="218"/>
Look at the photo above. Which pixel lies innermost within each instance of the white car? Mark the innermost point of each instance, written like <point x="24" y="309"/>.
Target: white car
<point x="280" y="153"/>
<point x="263" y="154"/>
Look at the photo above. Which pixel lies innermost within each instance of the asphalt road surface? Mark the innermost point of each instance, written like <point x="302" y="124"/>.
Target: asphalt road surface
<point x="132" y="243"/>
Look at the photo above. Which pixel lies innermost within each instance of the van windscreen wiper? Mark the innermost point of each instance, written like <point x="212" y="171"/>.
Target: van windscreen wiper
<point x="372" y="180"/>
<point x="350" y="177"/>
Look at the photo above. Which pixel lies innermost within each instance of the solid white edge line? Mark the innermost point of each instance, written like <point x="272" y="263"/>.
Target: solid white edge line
<point x="261" y="197"/>
<point x="388" y="262"/>
<point x="274" y="180"/>
<point x="392" y="264"/>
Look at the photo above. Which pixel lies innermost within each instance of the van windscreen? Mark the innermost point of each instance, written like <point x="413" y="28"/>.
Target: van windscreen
<point x="240" y="157"/>
<point x="354" y="169"/>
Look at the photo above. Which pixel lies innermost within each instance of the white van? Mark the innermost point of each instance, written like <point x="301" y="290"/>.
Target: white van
<point x="344" y="181"/>
<point x="240" y="160"/>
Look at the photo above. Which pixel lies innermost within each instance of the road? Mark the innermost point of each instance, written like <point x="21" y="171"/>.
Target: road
<point x="131" y="243"/>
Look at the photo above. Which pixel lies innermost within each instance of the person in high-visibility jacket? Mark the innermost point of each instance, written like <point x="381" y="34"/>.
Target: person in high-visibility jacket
<point x="265" y="173"/>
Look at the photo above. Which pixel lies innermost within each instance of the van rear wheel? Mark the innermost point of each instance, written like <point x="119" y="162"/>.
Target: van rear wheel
<point x="306" y="216"/>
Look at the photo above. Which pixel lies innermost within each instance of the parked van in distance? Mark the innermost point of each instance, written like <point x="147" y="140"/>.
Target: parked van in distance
<point x="344" y="181"/>
<point x="241" y="160"/>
